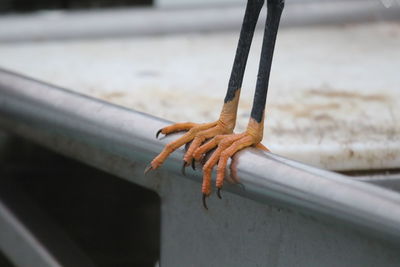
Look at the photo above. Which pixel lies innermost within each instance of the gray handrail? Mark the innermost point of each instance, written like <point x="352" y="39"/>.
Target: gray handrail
<point x="115" y="139"/>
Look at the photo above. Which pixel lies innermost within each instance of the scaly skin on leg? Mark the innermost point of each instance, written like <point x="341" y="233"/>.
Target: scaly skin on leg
<point x="197" y="133"/>
<point x="221" y="131"/>
<point x="171" y="147"/>
<point x="223" y="144"/>
<point x="178" y="127"/>
<point x="228" y="145"/>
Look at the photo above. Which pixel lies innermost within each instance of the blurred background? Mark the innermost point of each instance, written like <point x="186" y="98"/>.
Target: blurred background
<point x="333" y="100"/>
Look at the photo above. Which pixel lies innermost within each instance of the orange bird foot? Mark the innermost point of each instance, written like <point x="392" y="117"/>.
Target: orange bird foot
<point x="195" y="133"/>
<point x="204" y="138"/>
<point x="226" y="147"/>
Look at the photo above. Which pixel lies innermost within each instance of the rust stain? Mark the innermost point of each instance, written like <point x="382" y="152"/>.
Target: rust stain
<point x="349" y="95"/>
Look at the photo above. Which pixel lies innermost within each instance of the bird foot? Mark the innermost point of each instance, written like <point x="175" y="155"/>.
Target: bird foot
<point x="204" y="138"/>
<point x="195" y="133"/>
<point x="211" y="144"/>
<point x="227" y="146"/>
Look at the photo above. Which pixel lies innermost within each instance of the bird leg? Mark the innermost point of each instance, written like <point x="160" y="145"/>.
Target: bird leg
<point x="228" y="145"/>
<point x="198" y="133"/>
<point x="220" y="133"/>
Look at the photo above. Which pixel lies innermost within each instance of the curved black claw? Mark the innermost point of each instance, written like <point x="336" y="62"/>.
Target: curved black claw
<point x="204" y="201"/>
<point x="193" y="165"/>
<point x="158" y="133"/>
<point x="148" y="168"/>
<point x="184" y="165"/>
<point x="219" y="192"/>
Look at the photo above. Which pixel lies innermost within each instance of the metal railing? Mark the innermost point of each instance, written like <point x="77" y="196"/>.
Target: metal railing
<point x="114" y="139"/>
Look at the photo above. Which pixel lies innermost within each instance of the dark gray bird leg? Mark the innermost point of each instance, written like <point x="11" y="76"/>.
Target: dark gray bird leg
<point x="198" y="133"/>
<point x="252" y="13"/>
<point x="255" y="128"/>
<point x="275" y="8"/>
<point x="220" y="133"/>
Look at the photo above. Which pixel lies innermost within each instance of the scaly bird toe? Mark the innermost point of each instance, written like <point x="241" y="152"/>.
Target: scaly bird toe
<point x="227" y="146"/>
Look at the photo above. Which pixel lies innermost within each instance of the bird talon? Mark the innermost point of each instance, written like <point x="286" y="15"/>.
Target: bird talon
<point x="184" y="165"/>
<point x="204" y="201"/>
<point x="193" y="165"/>
<point x="219" y="192"/>
<point x="148" y="168"/>
<point x="158" y="133"/>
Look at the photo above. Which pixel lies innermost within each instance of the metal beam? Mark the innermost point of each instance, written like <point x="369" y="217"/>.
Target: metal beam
<point x="114" y="139"/>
